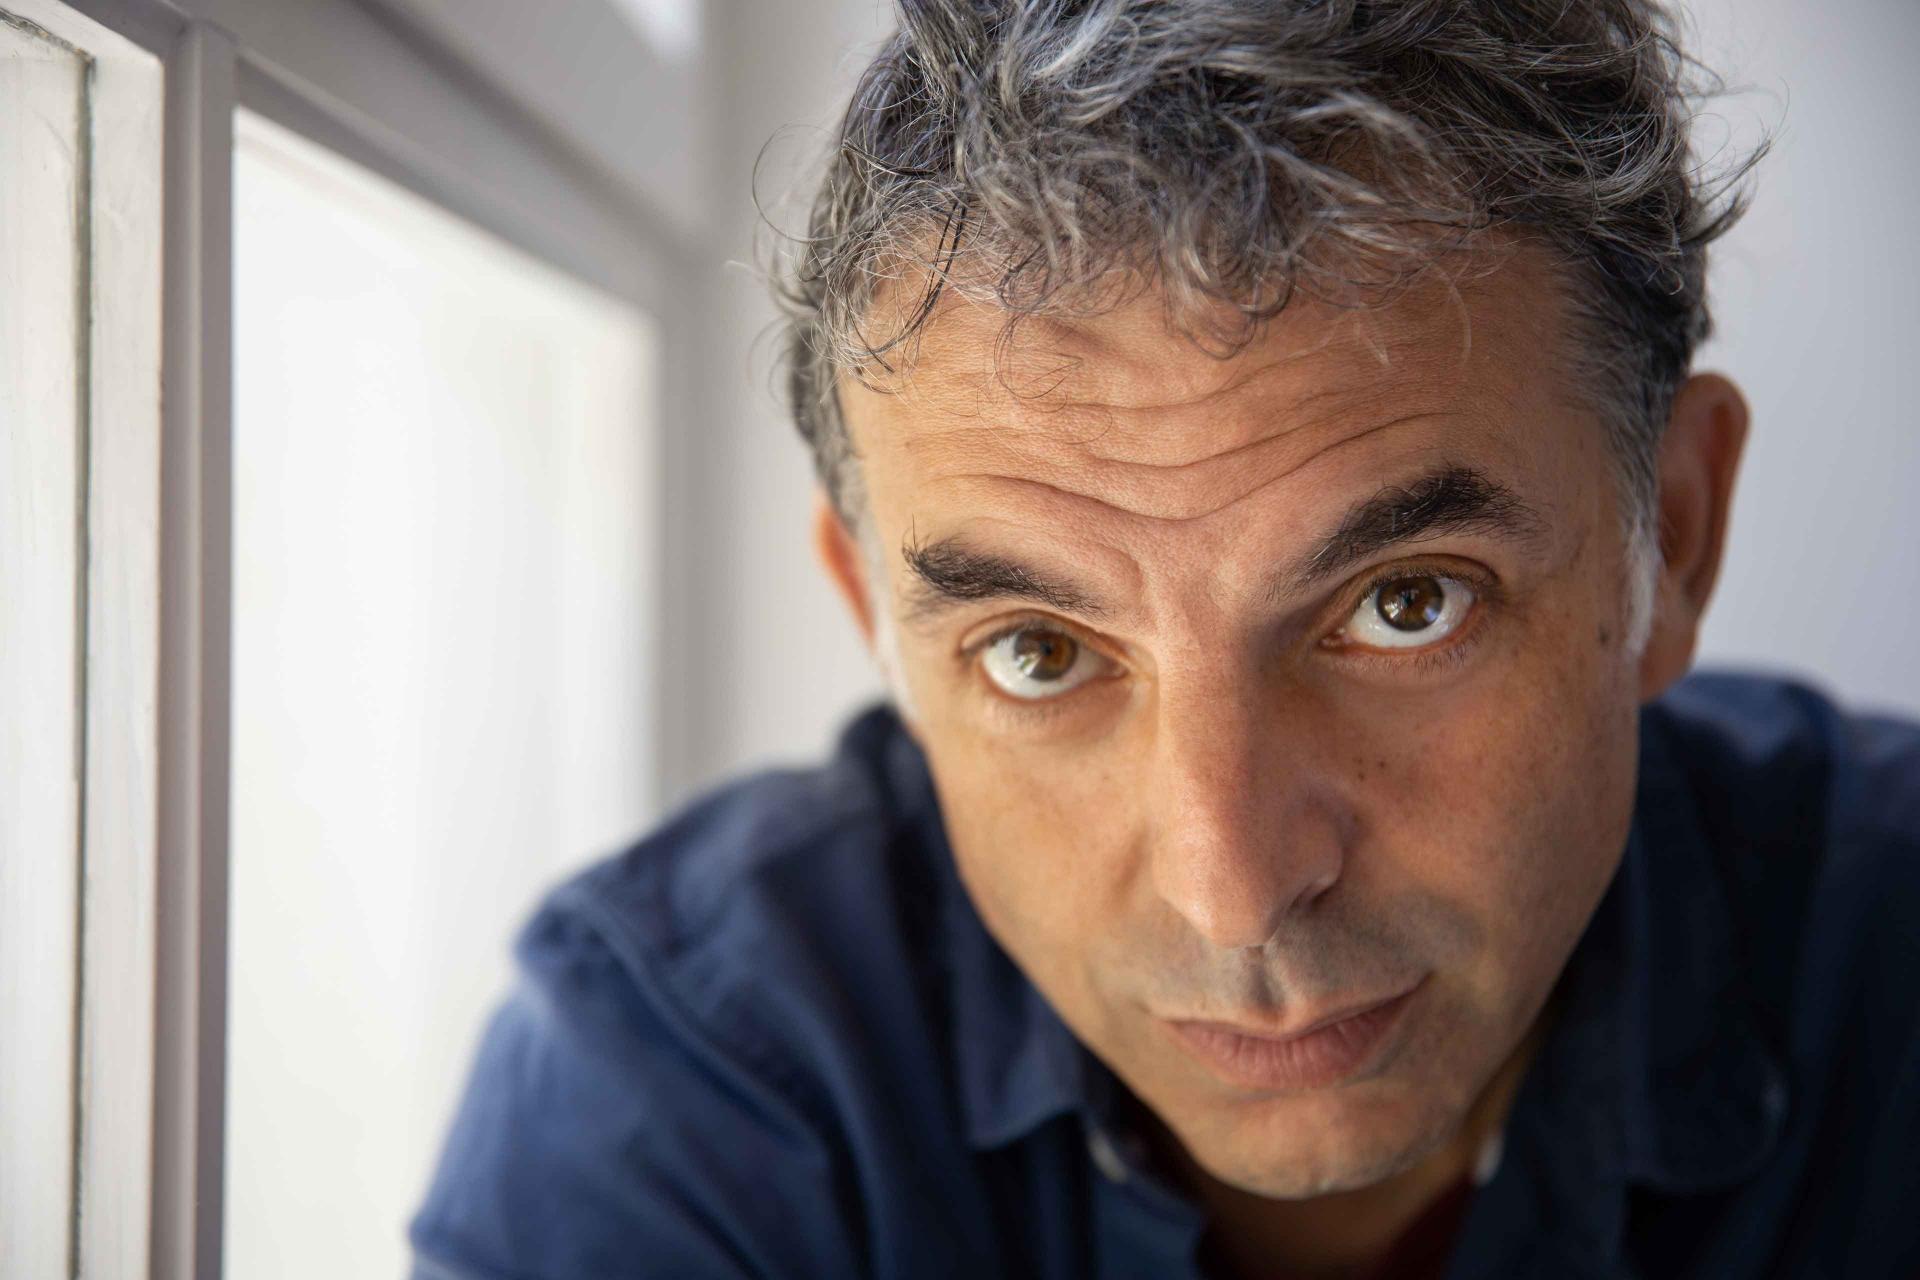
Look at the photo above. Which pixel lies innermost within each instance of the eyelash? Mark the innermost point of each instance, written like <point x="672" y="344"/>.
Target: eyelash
<point x="1034" y="623"/>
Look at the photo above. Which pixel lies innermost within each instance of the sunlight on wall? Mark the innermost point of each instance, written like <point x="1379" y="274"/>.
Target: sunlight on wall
<point x="442" y="655"/>
<point x="671" y="26"/>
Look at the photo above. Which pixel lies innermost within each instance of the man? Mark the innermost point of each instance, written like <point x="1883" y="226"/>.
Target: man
<point x="1259" y="445"/>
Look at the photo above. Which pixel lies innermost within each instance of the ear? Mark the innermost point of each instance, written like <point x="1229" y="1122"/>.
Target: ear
<point x="838" y="551"/>
<point x="1698" y="458"/>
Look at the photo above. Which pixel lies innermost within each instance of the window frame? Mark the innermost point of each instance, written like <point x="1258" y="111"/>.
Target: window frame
<point x="393" y="86"/>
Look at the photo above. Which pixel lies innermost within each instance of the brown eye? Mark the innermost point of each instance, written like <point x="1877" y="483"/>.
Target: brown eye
<point x="1039" y="662"/>
<point x="1043" y="655"/>
<point x="1411" y="604"/>
<point x="1413" y="612"/>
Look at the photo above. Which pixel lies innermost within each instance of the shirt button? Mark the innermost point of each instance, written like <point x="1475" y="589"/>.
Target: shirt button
<point x="1106" y="1156"/>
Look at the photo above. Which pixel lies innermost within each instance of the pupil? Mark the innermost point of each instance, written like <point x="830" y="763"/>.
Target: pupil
<point x="1043" y="655"/>
<point x="1412" y="604"/>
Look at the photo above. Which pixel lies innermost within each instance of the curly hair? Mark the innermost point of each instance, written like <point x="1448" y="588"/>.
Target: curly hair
<point x="1236" y="154"/>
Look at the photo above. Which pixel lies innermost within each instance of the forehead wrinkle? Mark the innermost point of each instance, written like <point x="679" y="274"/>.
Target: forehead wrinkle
<point x="1115" y="366"/>
<point x="1130" y="341"/>
<point x="1344" y="400"/>
<point x="1164" y="387"/>
<point x="1118" y="409"/>
<point x="1171" y="437"/>
<point x="1060" y="435"/>
<point x="1060" y="479"/>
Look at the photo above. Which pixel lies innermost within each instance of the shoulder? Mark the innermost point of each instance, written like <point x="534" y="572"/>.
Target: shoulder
<point x="754" y="915"/>
<point x="1792" y="731"/>
<point x="781" y="851"/>
<point x="1777" y="767"/>
<point x="686" y="1059"/>
<point x="1813" y="815"/>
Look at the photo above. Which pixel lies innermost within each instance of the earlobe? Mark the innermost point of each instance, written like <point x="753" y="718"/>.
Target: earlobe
<point x="838" y="551"/>
<point x="1698" y="459"/>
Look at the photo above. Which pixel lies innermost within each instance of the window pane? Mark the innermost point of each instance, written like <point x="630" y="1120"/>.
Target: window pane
<point x="443" y="464"/>
<point x="42" y="221"/>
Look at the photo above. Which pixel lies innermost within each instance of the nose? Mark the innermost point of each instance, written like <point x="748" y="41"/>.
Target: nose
<point x="1239" y="843"/>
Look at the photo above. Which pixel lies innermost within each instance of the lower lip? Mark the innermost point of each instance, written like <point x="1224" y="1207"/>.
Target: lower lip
<point x="1316" y="1060"/>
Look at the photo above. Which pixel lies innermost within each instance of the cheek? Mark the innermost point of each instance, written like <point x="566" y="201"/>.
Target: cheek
<point x="1509" y="796"/>
<point x="1041" y="844"/>
<point x="1036" y="834"/>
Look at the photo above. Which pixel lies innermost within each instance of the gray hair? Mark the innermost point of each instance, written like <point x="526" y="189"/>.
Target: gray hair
<point x="1239" y="153"/>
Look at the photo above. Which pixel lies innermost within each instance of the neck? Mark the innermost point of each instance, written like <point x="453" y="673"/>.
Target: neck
<point x="1330" y="1236"/>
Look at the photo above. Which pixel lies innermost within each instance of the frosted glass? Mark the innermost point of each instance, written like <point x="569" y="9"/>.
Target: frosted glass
<point x="444" y="551"/>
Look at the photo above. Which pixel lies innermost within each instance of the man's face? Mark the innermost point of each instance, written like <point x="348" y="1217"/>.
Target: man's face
<point x="1260" y="690"/>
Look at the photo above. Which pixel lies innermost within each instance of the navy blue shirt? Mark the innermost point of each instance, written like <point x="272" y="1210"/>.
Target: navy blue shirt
<point x="774" y="1039"/>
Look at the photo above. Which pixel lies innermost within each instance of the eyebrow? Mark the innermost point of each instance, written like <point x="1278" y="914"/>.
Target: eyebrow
<point x="1449" y="499"/>
<point x="948" y="573"/>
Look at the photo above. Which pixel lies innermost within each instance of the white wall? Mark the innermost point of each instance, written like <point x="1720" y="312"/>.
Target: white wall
<point x="1815" y="296"/>
<point x="786" y="666"/>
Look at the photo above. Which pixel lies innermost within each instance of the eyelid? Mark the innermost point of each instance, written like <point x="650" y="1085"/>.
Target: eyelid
<point x="1483" y="583"/>
<point x="1005" y="627"/>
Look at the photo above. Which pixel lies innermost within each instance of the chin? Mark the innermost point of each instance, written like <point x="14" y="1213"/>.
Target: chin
<point x="1349" y="1147"/>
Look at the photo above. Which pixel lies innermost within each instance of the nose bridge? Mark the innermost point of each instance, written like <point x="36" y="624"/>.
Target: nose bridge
<point x="1236" y="848"/>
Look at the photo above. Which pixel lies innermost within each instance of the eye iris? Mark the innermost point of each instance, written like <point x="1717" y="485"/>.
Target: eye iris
<point x="1043" y="655"/>
<point x="1411" y="604"/>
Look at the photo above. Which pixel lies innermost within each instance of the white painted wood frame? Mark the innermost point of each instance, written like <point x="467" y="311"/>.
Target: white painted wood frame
<point x="43" y="357"/>
<point x="103" y="1177"/>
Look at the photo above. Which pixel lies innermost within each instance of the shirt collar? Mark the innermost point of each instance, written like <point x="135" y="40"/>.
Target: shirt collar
<point x="1653" y="1074"/>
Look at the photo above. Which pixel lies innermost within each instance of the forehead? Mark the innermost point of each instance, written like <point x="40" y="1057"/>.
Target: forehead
<point x="1122" y="417"/>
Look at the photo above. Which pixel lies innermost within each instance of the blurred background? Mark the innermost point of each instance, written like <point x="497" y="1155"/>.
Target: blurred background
<point x="498" y="603"/>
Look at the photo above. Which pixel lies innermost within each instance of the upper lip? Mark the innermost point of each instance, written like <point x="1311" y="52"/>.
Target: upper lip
<point x="1297" y="1028"/>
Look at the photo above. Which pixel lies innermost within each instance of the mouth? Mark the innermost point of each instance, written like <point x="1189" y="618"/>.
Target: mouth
<point x="1321" y="1053"/>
